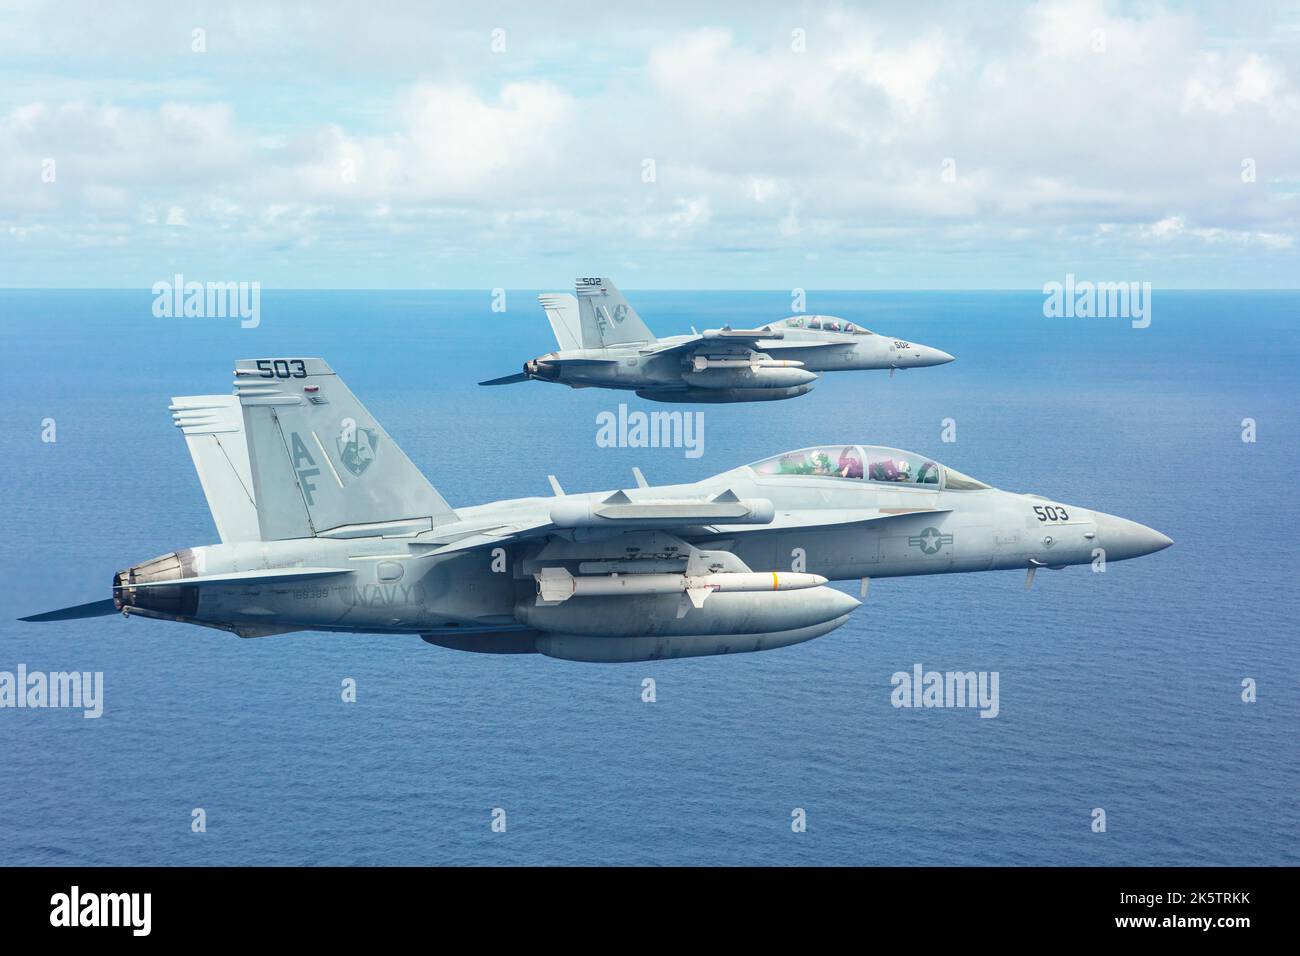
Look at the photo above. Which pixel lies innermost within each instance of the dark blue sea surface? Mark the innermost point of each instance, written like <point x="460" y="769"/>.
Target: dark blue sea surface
<point x="1119" y="691"/>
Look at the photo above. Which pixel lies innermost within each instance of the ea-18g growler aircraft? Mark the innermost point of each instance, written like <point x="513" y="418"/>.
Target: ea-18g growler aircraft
<point x="604" y="344"/>
<point x="326" y="525"/>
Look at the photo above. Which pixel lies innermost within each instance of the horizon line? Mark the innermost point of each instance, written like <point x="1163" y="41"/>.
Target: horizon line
<point x="783" y="290"/>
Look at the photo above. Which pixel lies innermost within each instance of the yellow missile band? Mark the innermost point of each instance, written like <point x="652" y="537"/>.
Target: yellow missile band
<point x="774" y="582"/>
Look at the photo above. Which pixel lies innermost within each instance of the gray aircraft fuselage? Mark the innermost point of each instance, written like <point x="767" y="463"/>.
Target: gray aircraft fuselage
<point x="603" y="343"/>
<point x="655" y="373"/>
<point x="426" y="583"/>
<point x="327" y="525"/>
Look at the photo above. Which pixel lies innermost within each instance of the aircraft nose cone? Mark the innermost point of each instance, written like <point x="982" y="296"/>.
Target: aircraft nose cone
<point x="1122" y="538"/>
<point x="925" y="356"/>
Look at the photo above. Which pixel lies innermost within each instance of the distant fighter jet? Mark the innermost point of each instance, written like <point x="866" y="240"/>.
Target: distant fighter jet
<point x="326" y="525"/>
<point x="604" y="344"/>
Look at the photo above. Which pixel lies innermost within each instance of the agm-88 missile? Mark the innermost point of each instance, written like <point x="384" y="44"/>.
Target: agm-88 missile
<point x="702" y="362"/>
<point x="555" y="585"/>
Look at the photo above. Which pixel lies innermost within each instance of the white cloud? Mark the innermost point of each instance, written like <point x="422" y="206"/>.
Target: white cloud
<point x="1169" y="226"/>
<point x="1221" y="85"/>
<point x="447" y="144"/>
<point x="1071" y="124"/>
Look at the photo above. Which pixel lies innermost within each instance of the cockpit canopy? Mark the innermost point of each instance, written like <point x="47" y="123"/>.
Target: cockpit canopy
<point x="869" y="462"/>
<point x="822" y="323"/>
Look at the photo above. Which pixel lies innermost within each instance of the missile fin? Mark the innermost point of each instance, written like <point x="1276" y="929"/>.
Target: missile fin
<point x="697" y="595"/>
<point x="554" y="586"/>
<point x="695" y="564"/>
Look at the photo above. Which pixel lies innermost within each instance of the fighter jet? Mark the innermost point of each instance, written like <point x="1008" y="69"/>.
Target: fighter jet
<point x="326" y="525"/>
<point x="604" y="344"/>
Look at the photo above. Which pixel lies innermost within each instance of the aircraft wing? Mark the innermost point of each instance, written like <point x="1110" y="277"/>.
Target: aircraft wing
<point x="733" y="342"/>
<point x="740" y="342"/>
<point x="799" y="344"/>
<point x="489" y="538"/>
<point x="724" y="515"/>
<point x="816" y="520"/>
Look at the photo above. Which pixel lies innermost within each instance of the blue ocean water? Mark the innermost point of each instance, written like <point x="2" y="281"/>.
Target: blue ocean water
<point x="1119" y="690"/>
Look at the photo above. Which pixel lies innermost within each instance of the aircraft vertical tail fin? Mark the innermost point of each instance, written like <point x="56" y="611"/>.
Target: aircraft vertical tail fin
<point x="606" y="317"/>
<point x="214" y="433"/>
<point x="321" y="464"/>
<point x="562" y="312"/>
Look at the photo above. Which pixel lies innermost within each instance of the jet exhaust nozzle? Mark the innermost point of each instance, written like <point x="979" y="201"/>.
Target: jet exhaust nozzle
<point x="179" y="602"/>
<point x="541" y="369"/>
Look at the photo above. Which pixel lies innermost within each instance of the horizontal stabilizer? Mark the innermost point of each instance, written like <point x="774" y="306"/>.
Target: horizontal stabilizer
<point x="506" y="379"/>
<point x="76" y="613"/>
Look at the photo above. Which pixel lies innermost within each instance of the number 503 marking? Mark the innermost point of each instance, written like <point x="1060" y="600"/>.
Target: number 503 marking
<point x="282" y="368"/>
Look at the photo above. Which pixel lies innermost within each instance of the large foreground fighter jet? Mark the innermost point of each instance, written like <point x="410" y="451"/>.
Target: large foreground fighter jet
<point x="604" y="344"/>
<point x="326" y="525"/>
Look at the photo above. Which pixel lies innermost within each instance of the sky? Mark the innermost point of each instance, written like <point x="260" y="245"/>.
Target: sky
<point x="672" y="145"/>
